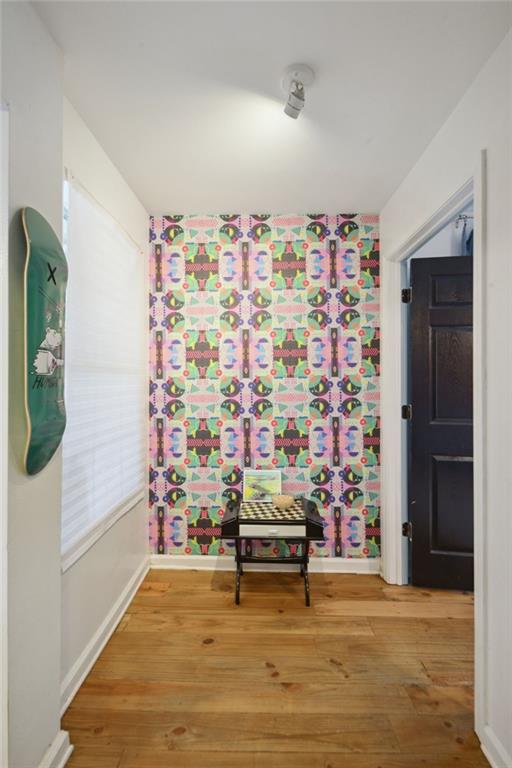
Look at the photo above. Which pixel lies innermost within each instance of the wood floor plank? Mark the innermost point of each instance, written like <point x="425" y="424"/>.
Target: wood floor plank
<point x="273" y="667"/>
<point x="204" y="732"/>
<point x="275" y="621"/>
<point x="420" y="734"/>
<point x="207" y="643"/>
<point x="101" y="757"/>
<point x="429" y="648"/>
<point x="289" y="594"/>
<point x="441" y="700"/>
<point x="272" y="697"/>
<point x="196" y="579"/>
<point x="412" y="628"/>
<point x="141" y="759"/>
<point x="370" y="676"/>
<point x="391" y="592"/>
<point x="151" y="759"/>
<point x="473" y="760"/>
<point x="399" y="608"/>
<point x="449" y="671"/>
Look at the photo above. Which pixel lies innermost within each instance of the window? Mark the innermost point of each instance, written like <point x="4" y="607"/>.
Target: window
<point x="105" y="358"/>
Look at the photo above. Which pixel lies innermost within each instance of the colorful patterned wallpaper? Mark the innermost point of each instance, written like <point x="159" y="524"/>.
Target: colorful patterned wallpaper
<point x="264" y="349"/>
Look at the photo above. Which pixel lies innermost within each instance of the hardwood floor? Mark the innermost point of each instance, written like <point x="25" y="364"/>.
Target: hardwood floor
<point x="371" y="676"/>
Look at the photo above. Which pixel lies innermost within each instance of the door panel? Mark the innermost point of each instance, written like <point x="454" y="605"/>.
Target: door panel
<point x="452" y="358"/>
<point x="452" y="479"/>
<point x="447" y="292"/>
<point x="441" y="466"/>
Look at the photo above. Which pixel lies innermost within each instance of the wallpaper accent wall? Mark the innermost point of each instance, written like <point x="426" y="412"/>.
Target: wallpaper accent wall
<point x="264" y="352"/>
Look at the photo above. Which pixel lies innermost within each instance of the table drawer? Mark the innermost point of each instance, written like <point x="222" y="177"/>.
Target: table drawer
<point x="272" y="531"/>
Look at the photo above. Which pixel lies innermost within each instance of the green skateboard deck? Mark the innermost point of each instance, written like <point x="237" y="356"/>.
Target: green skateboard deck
<point x="46" y="275"/>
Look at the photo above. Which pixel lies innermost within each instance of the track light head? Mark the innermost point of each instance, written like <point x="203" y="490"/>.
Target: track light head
<point x="296" y="100"/>
<point x="294" y="82"/>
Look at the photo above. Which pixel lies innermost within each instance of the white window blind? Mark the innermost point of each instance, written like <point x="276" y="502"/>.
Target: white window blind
<point x="105" y="359"/>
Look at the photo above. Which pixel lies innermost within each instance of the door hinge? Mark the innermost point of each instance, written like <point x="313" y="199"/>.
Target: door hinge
<point x="407" y="529"/>
<point x="407" y="411"/>
<point x="406" y="295"/>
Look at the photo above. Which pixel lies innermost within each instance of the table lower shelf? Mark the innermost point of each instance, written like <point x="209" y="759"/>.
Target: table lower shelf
<point x="291" y="560"/>
<point x="302" y="560"/>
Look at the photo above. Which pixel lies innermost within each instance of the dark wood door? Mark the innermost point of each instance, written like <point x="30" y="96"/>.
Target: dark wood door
<point x="441" y="457"/>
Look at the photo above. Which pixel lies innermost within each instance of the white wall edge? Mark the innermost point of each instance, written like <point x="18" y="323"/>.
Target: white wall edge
<point x="81" y="668"/>
<point x="223" y="563"/>
<point x="4" y="419"/>
<point x="494" y="750"/>
<point x="480" y="446"/>
<point x="393" y="544"/>
<point x="58" y="753"/>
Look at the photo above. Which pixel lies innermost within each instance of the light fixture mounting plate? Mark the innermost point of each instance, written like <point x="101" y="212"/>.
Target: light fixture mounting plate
<point x="299" y="72"/>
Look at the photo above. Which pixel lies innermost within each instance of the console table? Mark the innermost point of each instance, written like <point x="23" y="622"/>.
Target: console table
<point x="245" y="521"/>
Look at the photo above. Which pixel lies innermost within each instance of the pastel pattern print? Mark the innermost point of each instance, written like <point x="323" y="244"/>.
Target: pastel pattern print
<point x="265" y="354"/>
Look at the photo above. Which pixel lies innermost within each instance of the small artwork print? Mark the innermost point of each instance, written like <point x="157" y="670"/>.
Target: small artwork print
<point x="261" y="484"/>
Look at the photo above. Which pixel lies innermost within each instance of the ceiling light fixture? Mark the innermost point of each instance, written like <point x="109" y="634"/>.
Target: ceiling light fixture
<point x="294" y="82"/>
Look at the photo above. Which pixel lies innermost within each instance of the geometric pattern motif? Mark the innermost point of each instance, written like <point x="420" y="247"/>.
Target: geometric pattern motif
<point x="260" y="510"/>
<point x="264" y="353"/>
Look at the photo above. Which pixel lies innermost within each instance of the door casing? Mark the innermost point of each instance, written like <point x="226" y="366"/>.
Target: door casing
<point x="394" y="561"/>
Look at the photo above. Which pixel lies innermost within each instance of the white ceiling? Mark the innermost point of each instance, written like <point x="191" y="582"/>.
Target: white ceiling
<point x="185" y="97"/>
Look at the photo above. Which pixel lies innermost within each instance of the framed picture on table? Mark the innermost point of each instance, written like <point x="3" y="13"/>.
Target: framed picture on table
<point x="261" y="484"/>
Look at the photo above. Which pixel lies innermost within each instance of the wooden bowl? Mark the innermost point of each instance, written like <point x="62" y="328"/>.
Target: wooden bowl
<point x="282" y="501"/>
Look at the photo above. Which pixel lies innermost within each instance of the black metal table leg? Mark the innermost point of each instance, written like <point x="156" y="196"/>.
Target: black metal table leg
<point x="237" y="586"/>
<point x="238" y="570"/>
<point x="306" y="575"/>
<point x="306" y="587"/>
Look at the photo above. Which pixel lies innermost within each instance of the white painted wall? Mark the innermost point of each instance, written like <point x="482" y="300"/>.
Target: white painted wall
<point x="86" y="159"/>
<point x="95" y="593"/>
<point x="482" y="120"/>
<point x="95" y="589"/>
<point x="32" y="85"/>
<point x="96" y="586"/>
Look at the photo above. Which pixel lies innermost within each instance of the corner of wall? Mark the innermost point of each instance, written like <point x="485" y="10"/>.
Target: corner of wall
<point x="32" y="86"/>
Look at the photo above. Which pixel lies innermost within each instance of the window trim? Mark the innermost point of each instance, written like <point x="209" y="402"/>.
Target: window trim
<point x="93" y="534"/>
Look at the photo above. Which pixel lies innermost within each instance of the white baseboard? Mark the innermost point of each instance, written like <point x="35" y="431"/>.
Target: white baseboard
<point x="58" y="753"/>
<point x="493" y="749"/>
<point x="85" y="661"/>
<point x="223" y="563"/>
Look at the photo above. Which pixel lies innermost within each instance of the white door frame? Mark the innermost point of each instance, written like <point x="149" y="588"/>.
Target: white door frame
<point x="4" y="358"/>
<point x="393" y="391"/>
